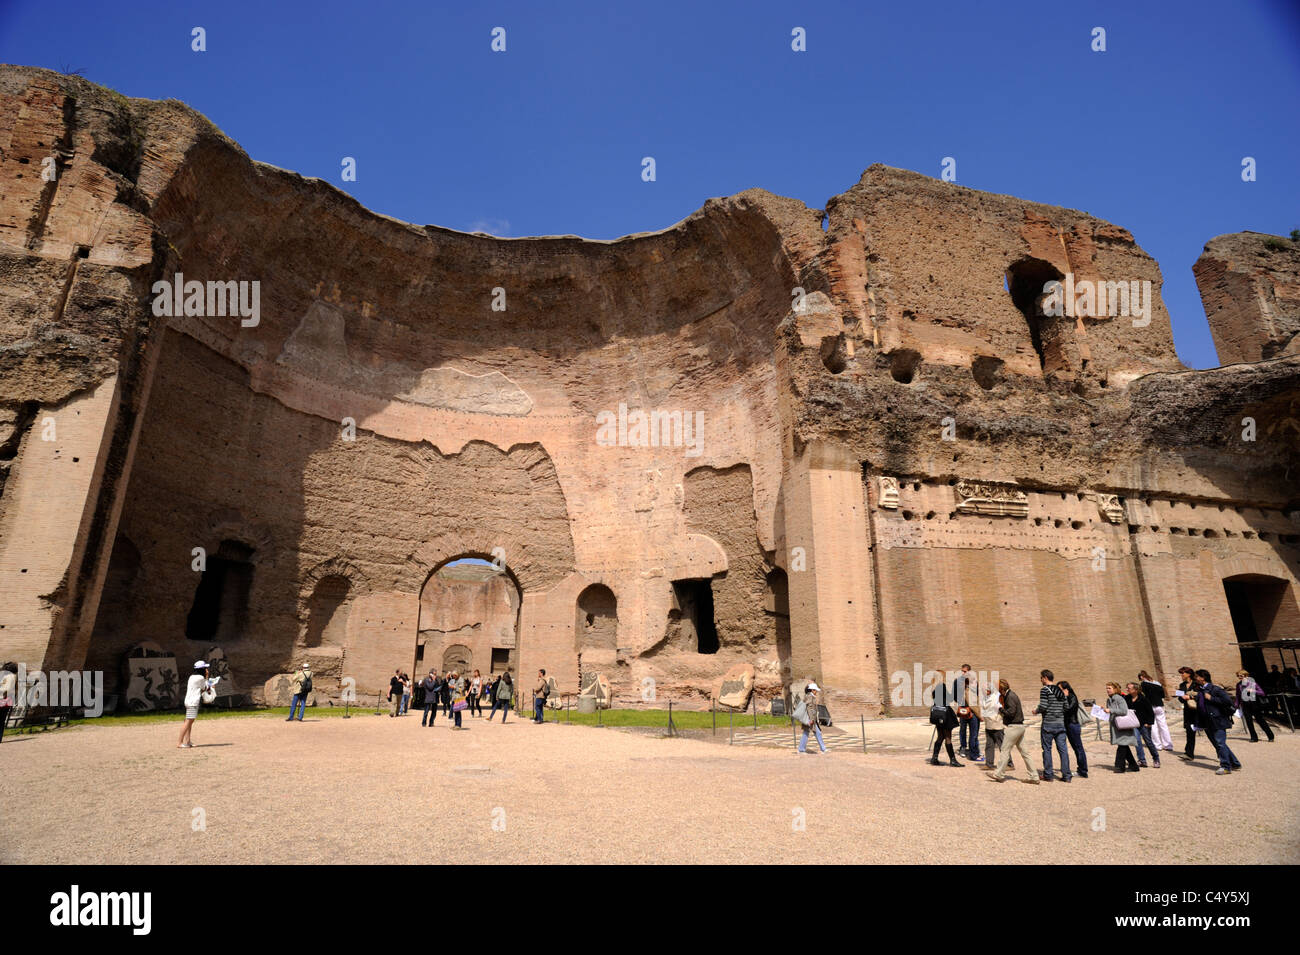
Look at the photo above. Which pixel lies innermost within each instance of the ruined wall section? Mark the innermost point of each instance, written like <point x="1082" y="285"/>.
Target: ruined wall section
<point x="1250" y="285"/>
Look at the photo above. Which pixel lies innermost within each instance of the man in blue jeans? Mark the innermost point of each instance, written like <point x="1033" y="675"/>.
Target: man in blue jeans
<point x="966" y="692"/>
<point x="1214" y="715"/>
<point x="1051" y="704"/>
<point x="539" y="697"/>
<point x="301" y="687"/>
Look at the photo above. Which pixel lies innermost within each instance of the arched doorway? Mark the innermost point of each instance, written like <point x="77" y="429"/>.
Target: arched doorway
<point x="469" y="617"/>
<point x="220" y="610"/>
<point x="1262" y="608"/>
<point x="596" y="632"/>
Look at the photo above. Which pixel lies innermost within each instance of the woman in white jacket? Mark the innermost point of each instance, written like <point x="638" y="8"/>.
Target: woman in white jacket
<point x="198" y="682"/>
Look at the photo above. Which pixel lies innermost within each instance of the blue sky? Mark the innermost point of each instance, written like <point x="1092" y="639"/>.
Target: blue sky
<point x="548" y="137"/>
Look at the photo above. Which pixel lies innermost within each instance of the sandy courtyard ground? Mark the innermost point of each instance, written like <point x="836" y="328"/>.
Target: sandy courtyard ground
<point x="374" y="789"/>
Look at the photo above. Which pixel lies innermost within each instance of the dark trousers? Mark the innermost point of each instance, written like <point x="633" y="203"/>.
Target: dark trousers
<point x="992" y="744"/>
<point x="971" y="744"/>
<point x="1190" y="747"/>
<point x="4" y="718"/>
<point x="474" y="705"/>
<point x="1055" y="737"/>
<point x="430" y="710"/>
<point x="538" y="703"/>
<point x="503" y="705"/>
<point x="456" y="715"/>
<point x="1144" y="736"/>
<point x="446" y="706"/>
<point x="1220" y="740"/>
<point x="1253" y="712"/>
<point x="1074" y="733"/>
<point x="1124" y="759"/>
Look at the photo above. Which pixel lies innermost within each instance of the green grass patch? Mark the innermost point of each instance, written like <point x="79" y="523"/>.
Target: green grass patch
<point x="216" y="713"/>
<point x="682" y="719"/>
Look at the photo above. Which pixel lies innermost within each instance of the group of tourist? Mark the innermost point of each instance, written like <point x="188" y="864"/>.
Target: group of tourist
<point x="454" y="692"/>
<point x="1135" y="711"/>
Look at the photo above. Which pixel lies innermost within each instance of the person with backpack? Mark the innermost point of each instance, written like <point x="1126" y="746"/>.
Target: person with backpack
<point x="1139" y="704"/>
<point x="432" y="696"/>
<point x="301" y="687"/>
<point x="807" y="712"/>
<point x="540" y="692"/>
<point x="1214" y="716"/>
<point x="1074" y="729"/>
<point x="1051" y="706"/>
<point x="1013" y="717"/>
<point x="1123" y="728"/>
<point x="445" y="693"/>
<point x="1250" y="700"/>
<point x="503" y="693"/>
<point x="966" y="694"/>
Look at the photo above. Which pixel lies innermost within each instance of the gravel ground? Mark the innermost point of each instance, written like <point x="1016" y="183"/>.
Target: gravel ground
<point x="374" y="789"/>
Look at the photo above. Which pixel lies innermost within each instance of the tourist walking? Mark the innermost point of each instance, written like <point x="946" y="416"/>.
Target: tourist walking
<point x="1186" y="692"/>
<point x="966" y="693"/>
<point x="1250" y="700"/>
<point x="1139" y="704"/>
<point x="540" y="692"/>
<point x="1214" y="716"/>
<point x="475" y="691"/>
<point x="301" y="687"/>
<point x="194" y="693"/>
<point x="459" y="704"/>
<point x="406" y="694"/>
<point x="1013" y="718"/>
<point x="1051" y="706"/>
<point x="502" y="694"/>
<point x="944" y="719"/>
<point x="8" y="693"/>
<point x="993" y="726"/>
<point x="432" y="695"/>
<point x="395" y="689"/>
<point x="1074" y="729"/>
<point x="445" y="692"/>
<point x="806" y="713"/>
<point x="1155" y="694"/>
<point x="1123" y="728"/>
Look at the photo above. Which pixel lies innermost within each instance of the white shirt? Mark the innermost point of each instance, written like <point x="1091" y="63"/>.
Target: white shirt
<point x="194" y="689"/>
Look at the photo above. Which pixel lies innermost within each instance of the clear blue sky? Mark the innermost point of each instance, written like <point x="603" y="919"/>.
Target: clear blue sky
<point x="548" y="137"/>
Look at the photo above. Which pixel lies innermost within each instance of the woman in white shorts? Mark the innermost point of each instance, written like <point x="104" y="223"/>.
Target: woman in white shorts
<point x="193" y="694"/>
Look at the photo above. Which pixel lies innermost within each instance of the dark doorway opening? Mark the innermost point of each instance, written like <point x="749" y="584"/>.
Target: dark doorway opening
<point x="695" y="602"/>
<point x="1025" y="281"/>
<point x="1254" y="603"/>
<point x="219" y="613"/>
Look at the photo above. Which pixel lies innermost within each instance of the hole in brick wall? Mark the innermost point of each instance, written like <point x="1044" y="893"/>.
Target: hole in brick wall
<point x="929" y="515"/>
<point x="1265" y="535"/>
<point x="908" y="515"/>
<point x="1248" y="535"/>
<point x="1211" y="533"/>
<point x="1058" y="523"/>
<point x="986" y="370"/>
<point x="903" y="365"/>
<point x="1076" y="524"/>
<point x="695" y="606"/>
<point x="1177" y="530"/>
<point x="1024" y="282"/>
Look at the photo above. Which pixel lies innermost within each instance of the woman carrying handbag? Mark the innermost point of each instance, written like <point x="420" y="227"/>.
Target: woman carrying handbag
<point x="1123" y="728"/>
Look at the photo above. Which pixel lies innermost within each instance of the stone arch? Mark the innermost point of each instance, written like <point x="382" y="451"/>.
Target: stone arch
<point x="596" y="623"/>
<point x="478" y="607"/>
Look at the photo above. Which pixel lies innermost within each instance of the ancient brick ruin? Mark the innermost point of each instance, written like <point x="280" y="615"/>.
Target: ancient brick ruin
<point x="874" y="447"/>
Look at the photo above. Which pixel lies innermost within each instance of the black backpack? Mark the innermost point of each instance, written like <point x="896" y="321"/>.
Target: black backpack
<point x="306" y="684"/>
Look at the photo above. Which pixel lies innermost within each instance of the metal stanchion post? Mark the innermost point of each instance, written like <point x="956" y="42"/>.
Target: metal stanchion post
<point x="731" y="726"/>
<point x="755" y="699"/>
<point x="862" y="719"/>
<point x="377" y="699"/>
<point x="713" y="711"/>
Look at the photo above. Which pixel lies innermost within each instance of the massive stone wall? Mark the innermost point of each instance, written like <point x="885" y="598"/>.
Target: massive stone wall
<point x="875" y="452"/>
